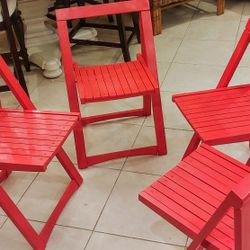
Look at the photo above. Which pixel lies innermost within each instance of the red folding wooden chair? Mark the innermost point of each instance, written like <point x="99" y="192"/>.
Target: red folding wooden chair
<point x="29" y="139"/>
<point x="221" y="115"/>
<point x="207" y="197"/>
<point x="114" y="81"/>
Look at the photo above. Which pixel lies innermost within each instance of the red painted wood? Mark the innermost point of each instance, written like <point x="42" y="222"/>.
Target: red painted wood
<point x="102" y="10"/>
<point x="199" y="195"/>
<point x="100" y="83"/>
<point x="219" y="116"/>
<point x="29" y="139"/>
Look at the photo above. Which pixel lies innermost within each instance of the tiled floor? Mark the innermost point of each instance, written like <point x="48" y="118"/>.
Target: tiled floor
<point x="105" y="213"/>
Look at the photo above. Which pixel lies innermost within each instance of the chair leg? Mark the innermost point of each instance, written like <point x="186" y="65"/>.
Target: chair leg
<point x="19" y="30"/>
<point x="135" y="19"/>
<point x="123" y="39"/>
<point x="147" y="105"/>
<point x="193" y="144"/>
<point x="159" y="124"/>
<point x="156" y="20"/>
<point x="15" y="56"/>
<point x="80" y="146"/>
<point x="4" y="174"/>
<point x="20" y="221"/>
<point x="69" y="166"/>
<point x="220" y="7"/>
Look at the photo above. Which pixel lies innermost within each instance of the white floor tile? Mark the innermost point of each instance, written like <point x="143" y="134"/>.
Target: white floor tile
<point x="204" y="52"/>
<point x="111" y="242"/>
<point x="177" y="141"/>
<point x="125" y="215"/>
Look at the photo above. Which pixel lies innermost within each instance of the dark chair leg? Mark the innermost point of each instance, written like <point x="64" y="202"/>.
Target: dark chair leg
<point x="110" y="17"/>
<point x="19" y="31"/>
<point x="135" y="19"/>
<point x="123" y="39"/>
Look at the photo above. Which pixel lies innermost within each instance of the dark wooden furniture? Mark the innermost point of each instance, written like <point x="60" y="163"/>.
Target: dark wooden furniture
<point x="10" y="22"/>
<point x="119" y="26"/>
<point x="158" y="5"/>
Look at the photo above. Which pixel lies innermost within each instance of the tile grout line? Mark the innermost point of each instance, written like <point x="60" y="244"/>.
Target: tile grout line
<point x="21" y="198"/>
<point x="120" y="172"/>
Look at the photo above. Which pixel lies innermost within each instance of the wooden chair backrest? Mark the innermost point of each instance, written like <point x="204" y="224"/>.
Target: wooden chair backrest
<point x="147" y="40"/>
<point x="235" y="58"/>
<point x="15" y="86"/>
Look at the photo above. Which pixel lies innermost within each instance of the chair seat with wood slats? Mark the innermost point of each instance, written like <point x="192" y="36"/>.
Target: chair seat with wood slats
<point x="29" y="139"/>
<point x="120" y="80"/>
<point x="189" y="194"/>
<point x="218" y="116"/>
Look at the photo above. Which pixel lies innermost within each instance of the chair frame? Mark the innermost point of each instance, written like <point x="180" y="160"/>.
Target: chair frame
<point x="224" y="82"/>
<point x="238" y="198"/>
<point x="148" y="56"/>
<point x="36" y="240"/>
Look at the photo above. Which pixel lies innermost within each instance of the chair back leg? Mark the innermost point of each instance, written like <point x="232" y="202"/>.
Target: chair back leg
<point x="19" y="30"/>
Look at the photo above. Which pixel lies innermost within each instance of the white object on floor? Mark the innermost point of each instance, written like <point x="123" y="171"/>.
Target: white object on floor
<point x="41" y="37"/>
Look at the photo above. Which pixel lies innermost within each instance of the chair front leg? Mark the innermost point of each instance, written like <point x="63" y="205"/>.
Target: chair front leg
<point x="159" y="123"/>
<point x="20" y="221"/>
<point x="193" y="144"/>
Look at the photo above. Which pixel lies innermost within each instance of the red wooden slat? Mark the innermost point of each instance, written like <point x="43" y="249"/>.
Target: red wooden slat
<point x="42" y="115"/>
<point x="34" y="130"/>
<point x="122" y="78"/>
<point x="221" y="119"/>
<point x="205" y="204"/>
<point x="189" y="217"/>
<point x="231" y="171"/>
<point x="26" y="125"/>
<point x="215" y="99"/>
<point x="206" y="188"/>
<point x="226" y="228"/>
<point x="103" y="10"/>
<point x="24" y="152"/>
<point x="108" y="81"/>
<point x="101" y="83"/>
<point x="93" y="81"/>
<point x="228" y="133"/>
<point x="116" y="83"/>
<point x="145" y="79"/>
<point x="210" y="167"/>
<point x="11" y="145"/>
<point x="203" y="177"/>
<point x="225" y="126"/>
<point x="129" y="78"/>
<point x="84" y="85"/>
<point x="213" y="109"/>
<point x="201" y="96"/>
<point x="218" y="112"/>
<point x="137" y="78"/>
<point x="31" y="136"/>
<point x="148" y="72"/>
<point x="34" y="122"/>
<point x="29" y="141"/>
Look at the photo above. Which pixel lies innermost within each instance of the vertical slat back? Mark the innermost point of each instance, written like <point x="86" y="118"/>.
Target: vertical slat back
<point x="68" y="65"/>
<point x="147" y="42"/>
<point x="15" y="86"/>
